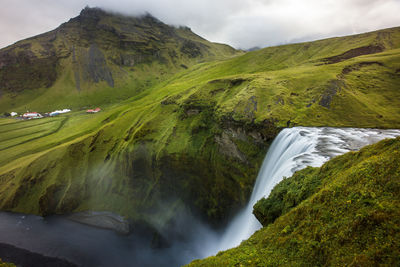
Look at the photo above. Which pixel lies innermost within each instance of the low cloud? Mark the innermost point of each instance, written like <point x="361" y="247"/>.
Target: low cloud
<point x="240" y="23"/>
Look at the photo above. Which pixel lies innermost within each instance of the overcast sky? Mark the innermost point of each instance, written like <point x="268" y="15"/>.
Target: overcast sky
<point x="240" y="23"/>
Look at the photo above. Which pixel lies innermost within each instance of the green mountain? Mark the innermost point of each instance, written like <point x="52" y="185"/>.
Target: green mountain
<point x="345" y="213"/>
<point x="97" y="58"/>
<point x="192" y="141"/>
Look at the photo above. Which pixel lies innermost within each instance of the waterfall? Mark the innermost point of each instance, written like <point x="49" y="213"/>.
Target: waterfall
<point x="294" y="149"/>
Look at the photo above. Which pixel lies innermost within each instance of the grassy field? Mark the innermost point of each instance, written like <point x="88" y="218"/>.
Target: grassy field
<point x="197" y="138"/>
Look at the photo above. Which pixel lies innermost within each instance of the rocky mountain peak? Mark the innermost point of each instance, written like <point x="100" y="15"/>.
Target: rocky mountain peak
<point x="92" y="12"/>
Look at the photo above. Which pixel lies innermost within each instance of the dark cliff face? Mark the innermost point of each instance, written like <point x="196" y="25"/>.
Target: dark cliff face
<point x="343" y="213"/>
<point x="22" y="69"/>
<point x="212" y="178"/>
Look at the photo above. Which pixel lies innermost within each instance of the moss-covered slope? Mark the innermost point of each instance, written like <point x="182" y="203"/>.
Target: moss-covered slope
<point x="97" y="58"/>
<point x="346" y="213"/>
<point x="197" y="139"/>
<point x="300" y="85"/>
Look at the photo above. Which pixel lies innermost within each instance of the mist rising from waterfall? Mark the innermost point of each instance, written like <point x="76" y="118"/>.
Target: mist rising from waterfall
<point x="293" y="149"/>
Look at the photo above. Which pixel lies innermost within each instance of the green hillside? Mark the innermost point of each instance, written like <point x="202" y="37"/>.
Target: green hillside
<point x="194" y="141"/>
<point x="345" y="213"/>
<point x="97" y="58"/>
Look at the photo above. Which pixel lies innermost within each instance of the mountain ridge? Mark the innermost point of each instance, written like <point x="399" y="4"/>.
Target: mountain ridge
<point x="94" y="52"/>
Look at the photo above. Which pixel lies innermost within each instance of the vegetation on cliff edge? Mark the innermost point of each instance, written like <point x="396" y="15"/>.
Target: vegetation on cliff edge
<point x="345" y="213"/>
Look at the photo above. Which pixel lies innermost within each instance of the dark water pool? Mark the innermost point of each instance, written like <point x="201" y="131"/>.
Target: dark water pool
<point x="88" y="246"/>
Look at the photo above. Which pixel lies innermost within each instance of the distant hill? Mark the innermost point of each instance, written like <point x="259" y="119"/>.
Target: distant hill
<point x="97" y="58"/>
<point x="255" y="48"/>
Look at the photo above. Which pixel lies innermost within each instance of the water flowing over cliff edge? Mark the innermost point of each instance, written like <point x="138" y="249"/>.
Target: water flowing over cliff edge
<point x="292" y="150"/>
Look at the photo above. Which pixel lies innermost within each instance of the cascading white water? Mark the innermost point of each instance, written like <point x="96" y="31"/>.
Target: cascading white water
<point x="294" y="149"/>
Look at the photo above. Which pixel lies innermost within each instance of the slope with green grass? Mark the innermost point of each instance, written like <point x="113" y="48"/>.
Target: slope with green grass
<point x="196" y="140"/>
<point x="97" y="58"/>
<point x="345" y="213"/>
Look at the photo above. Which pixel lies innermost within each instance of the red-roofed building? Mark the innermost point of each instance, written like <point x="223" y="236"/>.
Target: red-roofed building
<point x="93" y="110"/>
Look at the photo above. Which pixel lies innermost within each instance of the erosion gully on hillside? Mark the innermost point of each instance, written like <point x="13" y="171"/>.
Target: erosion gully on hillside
<point x="292" y="150"/>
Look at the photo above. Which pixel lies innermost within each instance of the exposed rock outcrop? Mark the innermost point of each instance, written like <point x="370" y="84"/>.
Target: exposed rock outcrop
<point x="331" y="90"/>
<point x="102" y="219"/>
<point x="359" y="51"/>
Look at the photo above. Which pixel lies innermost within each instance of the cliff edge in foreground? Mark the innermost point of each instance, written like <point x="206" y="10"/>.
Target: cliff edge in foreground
<point x="346" y="213"/>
